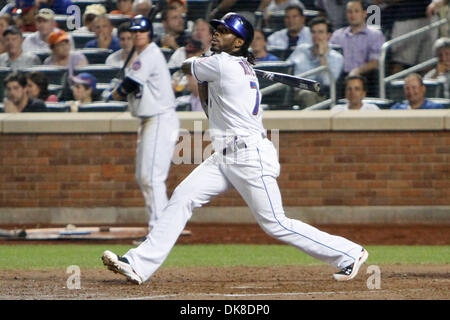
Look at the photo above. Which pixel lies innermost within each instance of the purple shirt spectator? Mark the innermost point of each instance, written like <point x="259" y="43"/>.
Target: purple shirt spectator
<point x="358" y="48"/>
<point x="75" y="59"/>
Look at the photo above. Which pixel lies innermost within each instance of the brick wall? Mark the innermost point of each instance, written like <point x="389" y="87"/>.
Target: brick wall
<point x="318" y="169"/>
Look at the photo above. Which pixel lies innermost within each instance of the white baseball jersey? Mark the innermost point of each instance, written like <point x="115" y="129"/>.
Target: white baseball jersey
<point x="233" y="96"/>
<point x="155" y="96"/>
<point x="248" y="163"/>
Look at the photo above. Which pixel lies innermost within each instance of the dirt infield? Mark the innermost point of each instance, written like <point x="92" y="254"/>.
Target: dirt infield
<point x="309" y="283"/>
<point x="402" y="282"/>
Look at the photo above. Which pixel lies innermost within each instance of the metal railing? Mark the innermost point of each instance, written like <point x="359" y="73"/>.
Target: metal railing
<point x="330" y="101"/>
<point x="383" y="80"/>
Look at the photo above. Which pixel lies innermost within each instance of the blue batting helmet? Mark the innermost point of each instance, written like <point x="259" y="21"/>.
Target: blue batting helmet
<point x="237" y="24"/>
<point x="141" y="23"/>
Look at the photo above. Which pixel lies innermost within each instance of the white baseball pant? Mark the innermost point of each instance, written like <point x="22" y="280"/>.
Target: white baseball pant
<point x="252" y="171"/>
<point x="156" y="141"/>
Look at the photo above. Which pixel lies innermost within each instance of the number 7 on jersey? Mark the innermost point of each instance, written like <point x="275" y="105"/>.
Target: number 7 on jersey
<point x="256" y="108"/>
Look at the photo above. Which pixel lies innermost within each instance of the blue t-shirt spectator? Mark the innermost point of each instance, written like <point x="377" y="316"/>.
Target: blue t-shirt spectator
<point x="114" y="45"/>
<point x="427" y="104"/>
<point x="268" y="57"/>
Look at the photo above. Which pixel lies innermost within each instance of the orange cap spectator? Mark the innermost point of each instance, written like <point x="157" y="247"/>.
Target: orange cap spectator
<point x="56" y="37"/>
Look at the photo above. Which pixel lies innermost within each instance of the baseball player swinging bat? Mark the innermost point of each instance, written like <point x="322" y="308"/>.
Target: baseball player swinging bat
<point x="289" y="80"/>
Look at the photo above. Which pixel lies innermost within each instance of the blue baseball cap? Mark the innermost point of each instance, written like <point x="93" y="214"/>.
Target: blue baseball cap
<point x="237" y="24"/>
<point x="87" y="79"/>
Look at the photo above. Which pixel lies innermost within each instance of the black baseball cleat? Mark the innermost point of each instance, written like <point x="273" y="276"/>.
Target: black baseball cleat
<point x="349" y="272"/>
<point x="120" y="265"/>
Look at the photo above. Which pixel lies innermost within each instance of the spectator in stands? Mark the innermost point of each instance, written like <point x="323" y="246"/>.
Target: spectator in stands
<point x="117" y="59"/>
<point x="142" y="7"/>
<point x="24" y="13"/>
<point x="57" y="6"/>
<point x="174" y="35"/>
<point x="104" y="35"/>
<point x="84" y="90"/>
<point x="61" y="54"/>
<point x="355" y="92"/>
<point x="16" y="98"/>
<point x="442" y="71"/>
<point x="333" y="10"/>
<point x="435" y="6"/>
<point x="15" y="57"/>
<point x="199" y="43"/>
<point x="192" y="48"/>
<point x="90" y="13"/>
<point x="203" y="32"/>
<point x="259" y="49"/>
<point x="37" y="87"/>
<point x="306" y="57"/>
<point x="415" y="91"/>
<point x="181" y="5"/>
<point x="271" y="6"/>
<point x="179" y="80"/>
<point x="367" y="40"/>
<point x="294" y="34"/>
<point x="124" y="7"/>
<point x="5" y="22"/>
<point x="45" y="24"/>
<point x="245" y="8"/>
<point x="406" y="16"/>
<point x="193" y="98"/>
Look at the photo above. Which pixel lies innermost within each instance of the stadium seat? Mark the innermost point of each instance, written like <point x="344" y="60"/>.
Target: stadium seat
<point x="442" y="101"/>
<point x="185" y="106"/>
<point x="81" y="38"/>
<point x="435" y="89"/>
<point x="117" y="19"/>
<point x="309" y="4"/>
<point x="199" y="9"/>
<point x="61" y="21"/>
<point x="113" y="106"/>
<point x="96" y="55"/>
<point x="57" y="107"/>
<point x="282" y="96"/>
<point x="167" y="53"/>
<point x="43" y="54"/>
<point x="282" y="54"/>
<point x="4" y="71"/>
<point x="54" y="74"/>
<point x="54" y="89"/>
<point x="102" y="72"/>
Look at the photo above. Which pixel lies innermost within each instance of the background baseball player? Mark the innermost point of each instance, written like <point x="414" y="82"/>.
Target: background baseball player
<point x="244" y="159"/>
<point x="147" y="87"/>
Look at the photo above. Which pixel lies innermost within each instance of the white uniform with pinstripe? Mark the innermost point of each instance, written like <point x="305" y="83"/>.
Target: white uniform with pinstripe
<point x="244" y="159"/>
<point x="159" y="126"/>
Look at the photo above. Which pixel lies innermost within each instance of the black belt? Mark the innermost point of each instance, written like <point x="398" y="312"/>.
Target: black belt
<point x="240" y="145"/>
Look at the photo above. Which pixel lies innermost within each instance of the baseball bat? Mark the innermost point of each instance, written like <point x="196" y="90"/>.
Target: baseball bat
<point x="289" y="80"/>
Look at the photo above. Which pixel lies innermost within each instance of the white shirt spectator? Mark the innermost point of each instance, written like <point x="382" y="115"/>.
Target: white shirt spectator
<point x="280" y="39"/>
<point x="365" y="107"/>
<point x="115" y="59"/>
<point x="34" y="43"/>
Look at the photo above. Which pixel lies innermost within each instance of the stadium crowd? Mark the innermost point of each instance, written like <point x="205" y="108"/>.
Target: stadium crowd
<point x="44" y="59"/>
